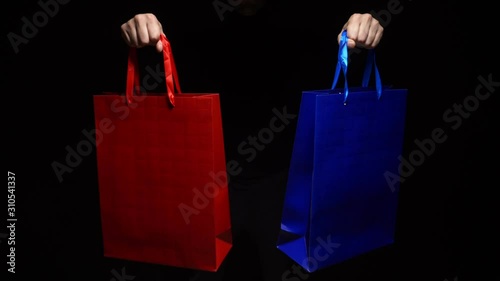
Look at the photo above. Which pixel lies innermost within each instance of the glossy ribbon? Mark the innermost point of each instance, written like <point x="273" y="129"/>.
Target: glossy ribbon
<point x="342" y="64"/>
<point x="371" y="63"/>
<point x="171" y="77"/>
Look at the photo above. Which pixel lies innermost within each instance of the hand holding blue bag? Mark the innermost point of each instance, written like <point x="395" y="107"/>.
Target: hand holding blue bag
<point x="338" y="202"/>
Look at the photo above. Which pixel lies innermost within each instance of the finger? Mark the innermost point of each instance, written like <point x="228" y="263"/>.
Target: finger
<point x="378" y="36"/>
<point x="159" y="46"/>
<point x="363" y="30"/>
<point x="352" y="27"/>
<point x="154" y="30"/>
<point x="142" y="33"/>
<point x="134" y="40"/>
<point x="125" y="34"/>
<point x="129" y="34"/>
<point x="374" y="34"/>
<point x="351" y="44"/>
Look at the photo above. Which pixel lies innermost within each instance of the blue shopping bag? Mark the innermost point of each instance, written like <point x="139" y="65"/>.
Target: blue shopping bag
<point x="339" y="203"/>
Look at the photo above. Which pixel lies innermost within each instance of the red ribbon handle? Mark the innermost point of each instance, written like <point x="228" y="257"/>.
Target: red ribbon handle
<point x="171" y="78"/>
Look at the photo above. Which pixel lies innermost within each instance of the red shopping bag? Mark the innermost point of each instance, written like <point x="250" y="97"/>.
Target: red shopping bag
<point x="162" y="173"/>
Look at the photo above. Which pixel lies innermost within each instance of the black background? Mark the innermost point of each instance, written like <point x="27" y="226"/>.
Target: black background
<point x="436" y="50"/>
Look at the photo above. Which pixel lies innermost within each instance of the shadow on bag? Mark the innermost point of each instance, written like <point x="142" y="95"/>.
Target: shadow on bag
<point x="162" y="173"/>
<point x="340" y="202"/>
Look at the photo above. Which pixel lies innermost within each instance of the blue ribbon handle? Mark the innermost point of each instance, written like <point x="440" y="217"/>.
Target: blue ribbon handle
<point x="371" y="63"/>
<point x="342" y="64"/>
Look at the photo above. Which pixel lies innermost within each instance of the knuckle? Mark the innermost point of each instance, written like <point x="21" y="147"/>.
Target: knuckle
<point x="138" y="17"/>
<point x="355" y="16"/>
<point x="150" y="17"/>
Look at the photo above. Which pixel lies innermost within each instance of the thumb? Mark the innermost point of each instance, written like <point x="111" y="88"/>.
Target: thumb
<point x="351" y="43"/>
<point x="159" y="46"/>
